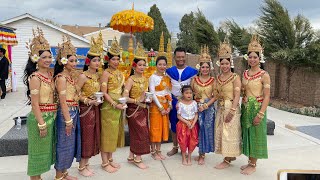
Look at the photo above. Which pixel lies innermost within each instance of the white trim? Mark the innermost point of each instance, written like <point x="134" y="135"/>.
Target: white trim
<point x="27" y="15"/>
<point x="105" y="29"/>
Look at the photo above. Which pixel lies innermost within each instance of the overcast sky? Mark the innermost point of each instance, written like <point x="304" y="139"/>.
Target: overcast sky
<point x="93" y="12"/>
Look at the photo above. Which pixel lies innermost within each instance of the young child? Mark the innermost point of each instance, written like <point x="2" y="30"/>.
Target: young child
<point x="187" y="127"/>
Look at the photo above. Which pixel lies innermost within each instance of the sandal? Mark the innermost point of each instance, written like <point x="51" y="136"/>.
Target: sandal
<point x="103" y="166"/>
<point x="162" y="157"/>
<point x="154" y="155"/>
<point x="114" y="164"/>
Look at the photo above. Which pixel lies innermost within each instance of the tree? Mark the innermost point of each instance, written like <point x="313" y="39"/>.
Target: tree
<point x="239" y="37"/>
<point x="287" y="41"/>
<point x="151" y="39"/>
<point x="205" y="33"/>
<point x="186" y="36"/>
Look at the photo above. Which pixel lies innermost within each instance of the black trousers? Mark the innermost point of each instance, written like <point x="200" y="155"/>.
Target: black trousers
<point x="3" y="87"/>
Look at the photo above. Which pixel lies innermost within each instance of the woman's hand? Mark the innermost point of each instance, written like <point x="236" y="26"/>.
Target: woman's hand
<point x="93" y="102"/>
<point x="43" y="132"/>
<point x="121" y="106"/>
<point x="256" y="121"/>
<point x="69" y="129"/>
<point x="164" y="112"/>
<point x="244" y="99"/>
<point x="201" y="108"/>
<point x="228" y="118"/>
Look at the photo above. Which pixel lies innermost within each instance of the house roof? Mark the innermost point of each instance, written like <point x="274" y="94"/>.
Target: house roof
<point x="81" y="30"/>
<point x="104" y="29"/>
<point x="27" y="15"/>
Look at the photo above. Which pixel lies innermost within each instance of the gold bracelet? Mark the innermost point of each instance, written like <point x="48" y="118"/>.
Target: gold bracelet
<point x="233" y="109"/>
<point x="70" y="122"/>
<point x="114" y="104"/>
<point x="85" y="101"/>
<point x="232" y="112"/>
<point x="161" y="108"/>
<point x="260" y="116"/>
<point x="135" y="101"/>
<point x="262" y="113"/>
<point x="42" y="126"/>
<point x="205" y="105"/>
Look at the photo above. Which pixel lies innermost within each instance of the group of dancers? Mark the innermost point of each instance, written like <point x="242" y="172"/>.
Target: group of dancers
<point x="67" y="121"/>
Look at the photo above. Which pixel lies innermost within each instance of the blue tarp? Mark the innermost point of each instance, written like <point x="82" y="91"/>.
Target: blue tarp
<point x="81" y="52"/>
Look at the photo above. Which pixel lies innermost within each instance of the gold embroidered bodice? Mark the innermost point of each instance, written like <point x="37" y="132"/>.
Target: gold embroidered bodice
<point x="203" y="90"/>
<point x="139" y="86"/>
<point x="91" y="86"/>
<point x="225" y="88"/>
<point x="46" y="91"/>
<point x="71" y="91"/>
<point x="115" y="81"/>
<point x="253" y="84"/>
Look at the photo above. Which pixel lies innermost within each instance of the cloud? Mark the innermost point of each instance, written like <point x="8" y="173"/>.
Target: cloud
<point x="93" y="12"/>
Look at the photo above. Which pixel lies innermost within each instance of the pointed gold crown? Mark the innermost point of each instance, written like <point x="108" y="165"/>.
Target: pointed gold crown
<point x="65" y="49"/>
<point x="115" y="48"/>
<point x="95" y="48"/>
<point x="140" y="53"/>
<point x="225" y="51"/>
<point x="205" y="55"/>
<point x="255" y="45"/>
<point x="38" y="43"/>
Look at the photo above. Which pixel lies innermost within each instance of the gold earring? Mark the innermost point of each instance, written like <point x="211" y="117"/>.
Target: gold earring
<point x="37" y="67"/>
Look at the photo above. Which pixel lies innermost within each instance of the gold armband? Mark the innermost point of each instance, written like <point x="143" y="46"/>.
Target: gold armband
<point x="104" y="84"/>
<point x="237" y="89"/>
<point x="42" y="126"/>
<point x="267" y="86"/>
<point x="126" y="90"/>
<point x="34" y="91"/>
<point x="63" y="92"/>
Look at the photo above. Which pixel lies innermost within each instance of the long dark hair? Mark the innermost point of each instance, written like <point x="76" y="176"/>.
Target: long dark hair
<point x="136" y="60"/>
<point x="232" y="69"/>
<point x="261" y="64"/>
<point x="86" y="67"/>
<point x="59" y="68"/>
<point x="30" y="68"/>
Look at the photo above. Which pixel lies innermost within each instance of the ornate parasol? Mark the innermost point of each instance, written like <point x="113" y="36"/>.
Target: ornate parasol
<point x="131" y="21"/>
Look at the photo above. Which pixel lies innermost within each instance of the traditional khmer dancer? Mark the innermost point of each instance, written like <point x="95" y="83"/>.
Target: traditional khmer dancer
<point x="256" y="96"/>
<point x="41" y="120"/>
<point x="227" y="125"/>
<point x="112" y="128"/>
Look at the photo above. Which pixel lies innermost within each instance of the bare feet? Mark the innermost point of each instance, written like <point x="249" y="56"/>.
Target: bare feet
<point x="140" y="164"/>
<point x="201" y="160"/>
<point x="249" y="170"/>
<point x="222" y="165"/>
<point x="155" y="156"/>
<point x="89" y="169"/>
<point x="184" y="162"/>
<point x="244" y="166"/>
<point x="162" y="157"/>
<point x="130" y="159"/>
<point x="173" y="151"/>
<point x="85" y="172"/>
<point x="68" y="177"/>
<point x="115" y="165"/>
<point x="109" y="168"/>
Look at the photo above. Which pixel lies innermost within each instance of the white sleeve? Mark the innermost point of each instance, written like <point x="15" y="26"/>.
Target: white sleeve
<point x="179" y="108"/>
<point x="152" y="87"/>
<point x="195" y="107"/>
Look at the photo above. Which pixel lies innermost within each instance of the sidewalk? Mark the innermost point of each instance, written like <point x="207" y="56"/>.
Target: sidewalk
<point x="288" y="149"/>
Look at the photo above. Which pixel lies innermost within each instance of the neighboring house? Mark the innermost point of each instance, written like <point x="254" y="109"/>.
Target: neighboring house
<point x="81" y="30"/>
<point x="24" y="25"/>
<point x="87" y="32"/>
<point x="108" y="35"/>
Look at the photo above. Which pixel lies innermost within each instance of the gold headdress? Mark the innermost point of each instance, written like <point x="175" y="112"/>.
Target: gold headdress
<point x="225" y="52"/>
<point x="38" y="43"/>
<point x="255" y="46"/>
<point x="95" y="48"/>
<point x="115" y="48"/>
<point x="140" y="52"/>
<point x="204" y="57"/>
<point x="65" y="49"/>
